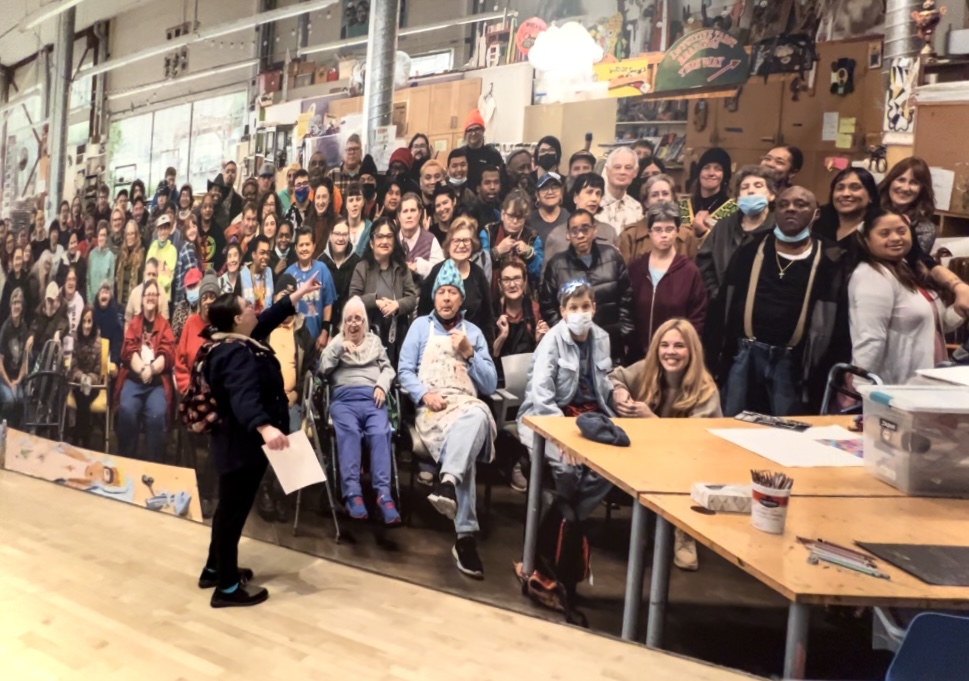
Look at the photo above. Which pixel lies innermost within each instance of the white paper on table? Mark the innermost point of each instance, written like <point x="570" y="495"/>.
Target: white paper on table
<point x="296" y="466"/>
<point x="829" y="127"/>
<point x="957" y="375"/>
<point x="942" y="183"/>
<point x="789" y="448"/>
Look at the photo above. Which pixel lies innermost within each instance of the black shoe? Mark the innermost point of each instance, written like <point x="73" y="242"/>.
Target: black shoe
<point x="282" y="512"/>
<point x="466" y="555"/>
<point x="444" y="499"/>
<point x="266" y="505"/>
<point x="208" y="508"/>
<point x="240" y="598"/>
<point x="209" y="580"/>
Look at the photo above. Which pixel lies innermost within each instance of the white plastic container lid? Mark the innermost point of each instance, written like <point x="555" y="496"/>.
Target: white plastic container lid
<point x="919" y="398"/>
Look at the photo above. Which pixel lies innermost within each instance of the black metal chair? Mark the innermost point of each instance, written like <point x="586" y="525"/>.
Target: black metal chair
<point x="836" y="386"/>
<point x="45" y="404"/>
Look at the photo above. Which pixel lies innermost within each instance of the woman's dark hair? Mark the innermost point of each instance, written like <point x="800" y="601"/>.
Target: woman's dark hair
<point x="191" y="194"/>
<point x="410" y="145"/>
<point x="276" y="208"/>
<point x="923" y="207"/>
<point x="354" y="189"/>
<point x="907" y="276"/>
<point x="223" y="311"/>
<point x="828" y="220"/>
<point x="581" y="182"/>
<point x="80" y="325"/>
<point x="396" y="255"/>
<point x="385" y="188"/>
<point x="137" y="183"/>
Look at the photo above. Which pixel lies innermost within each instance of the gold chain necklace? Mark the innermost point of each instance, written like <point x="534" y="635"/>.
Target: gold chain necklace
<point x="781" y="270"/>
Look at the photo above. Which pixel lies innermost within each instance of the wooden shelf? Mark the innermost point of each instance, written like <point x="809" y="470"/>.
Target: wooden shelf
<point x="650" y="122"/>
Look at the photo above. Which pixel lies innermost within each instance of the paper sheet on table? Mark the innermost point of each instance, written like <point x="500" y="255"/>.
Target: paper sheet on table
<point x="957" y="375"/>
<point x="793" y="450"/>
<point x="829" y="126"/>
<point x="942" y="183"/>
<point x="296" y="466"/>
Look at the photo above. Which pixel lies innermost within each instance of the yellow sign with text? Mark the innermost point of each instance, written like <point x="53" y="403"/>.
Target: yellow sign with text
<point x="627" y="78"/>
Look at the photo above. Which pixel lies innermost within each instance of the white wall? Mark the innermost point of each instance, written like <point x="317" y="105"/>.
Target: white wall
<point x="512" y="90"/>
<point x="145" y="26"/>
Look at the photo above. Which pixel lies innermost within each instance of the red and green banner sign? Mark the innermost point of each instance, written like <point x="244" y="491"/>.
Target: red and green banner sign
<point x="708" y="58"/>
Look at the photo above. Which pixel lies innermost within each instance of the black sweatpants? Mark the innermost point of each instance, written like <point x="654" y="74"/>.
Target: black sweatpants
<point x="237" y="491"/>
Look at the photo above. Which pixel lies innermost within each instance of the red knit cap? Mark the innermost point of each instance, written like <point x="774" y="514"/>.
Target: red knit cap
<point x="474" y="118"/>
<point x="404" y="156"/>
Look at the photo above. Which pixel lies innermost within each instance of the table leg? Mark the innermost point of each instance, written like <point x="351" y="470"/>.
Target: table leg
<point x="634" y="572"/>
<point x="795" y="652"/>
<point x="659" y="588"/>
<point x="534" y="509"/>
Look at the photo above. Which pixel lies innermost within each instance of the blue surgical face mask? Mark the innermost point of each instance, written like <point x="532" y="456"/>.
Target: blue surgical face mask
<point x="797" y="238"/>
<point x="302" y="194"/>
<point x="192" y="296"/>
<point x="752" y="204"/>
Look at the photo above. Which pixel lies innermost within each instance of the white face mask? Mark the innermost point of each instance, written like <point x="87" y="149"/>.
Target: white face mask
<point x="579" y="323"/>
<point x="457" y="181"/>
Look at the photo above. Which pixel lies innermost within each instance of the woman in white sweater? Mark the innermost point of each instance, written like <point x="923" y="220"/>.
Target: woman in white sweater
<point x="895" y="313"/>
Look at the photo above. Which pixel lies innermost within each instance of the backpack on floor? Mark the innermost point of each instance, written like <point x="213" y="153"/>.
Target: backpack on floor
<point x="562" y="562"/>
<point x="197" y="408"/>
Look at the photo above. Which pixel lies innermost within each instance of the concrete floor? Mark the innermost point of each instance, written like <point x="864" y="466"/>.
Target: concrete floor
<point x="718" y="614"/>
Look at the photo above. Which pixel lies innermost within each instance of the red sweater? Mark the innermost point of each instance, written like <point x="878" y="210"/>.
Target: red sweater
<point x="188" y="348"/>
<point x="680" y="293"/>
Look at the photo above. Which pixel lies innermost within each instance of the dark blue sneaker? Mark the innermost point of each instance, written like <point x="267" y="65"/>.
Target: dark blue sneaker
<point x="356" y="508"/>
<point x="388" y="510"/>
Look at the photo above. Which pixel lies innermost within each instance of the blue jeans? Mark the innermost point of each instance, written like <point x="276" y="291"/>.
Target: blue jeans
<point x="764" y="378"/>
<point x="140" y="402"/>
<point x="11" y="403"/>
<point x="355" y="417"/>
<point x="579" y="487"/>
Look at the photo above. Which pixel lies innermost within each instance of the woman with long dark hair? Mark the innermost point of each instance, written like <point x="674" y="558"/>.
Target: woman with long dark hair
<point x="389" y="199"/>
<point x="710" y="189"/>
<point x="321" y="216"/>
<point x="86" y="370"/>
<point x="130" y="263"/>
<point x="247" y="385"/>
<point x="907" y="190"/>
<point x="853" y="199"/>
<point x="188" y="257"/>
<point x="269" y="205"/>
<point x="385" y="284"/>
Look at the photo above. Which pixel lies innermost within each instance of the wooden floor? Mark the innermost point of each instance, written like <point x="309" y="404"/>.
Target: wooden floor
<point x="96" y="589"/>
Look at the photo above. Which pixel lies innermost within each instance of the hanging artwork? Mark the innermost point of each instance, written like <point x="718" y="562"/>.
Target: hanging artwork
<point x="356" y="18"/>
<point x="608" y="33"/>
<point x="899" y="107"/>
<point x="783" y="54"/>
<point x="707" y="58"/>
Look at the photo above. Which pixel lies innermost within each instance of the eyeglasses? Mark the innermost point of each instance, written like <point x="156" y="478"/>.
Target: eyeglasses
<point x="514" y="218"/>
<point x="461" y="242"/>
<point x="668" y="229"/>
<point x="354" y="319"/>
<point x="512" y="280"/>
<point x="151" y="296"/>
<point x="580" y="231"/>
<point x="474" y="130"/>
<point x="549" y="188"/>
<point x="383" y="237"/>
<point x="337" y="235"/>
<point x="302" y="185"/>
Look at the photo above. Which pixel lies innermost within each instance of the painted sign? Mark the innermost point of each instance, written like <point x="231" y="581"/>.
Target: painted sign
<point x="707" y="58"/>
<point x="626" y="78"/>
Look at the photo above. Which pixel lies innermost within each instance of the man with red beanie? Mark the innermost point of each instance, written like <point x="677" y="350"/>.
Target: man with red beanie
<point x="401" y="162"/>
<point x="479" y="155"/>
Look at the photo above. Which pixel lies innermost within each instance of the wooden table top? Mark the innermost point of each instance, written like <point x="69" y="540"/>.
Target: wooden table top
<point x="780" y="562"/>
<point x="668" y="455"/>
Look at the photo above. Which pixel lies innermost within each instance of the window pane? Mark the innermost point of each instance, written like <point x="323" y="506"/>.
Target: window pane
<point x="217" y="127"/>
<point x="78" y="133"/>
<point x="21" y="165"/>
<point x="81" y="92"/>
<point x="129" y="147"/>
<point x="169" y="145"/>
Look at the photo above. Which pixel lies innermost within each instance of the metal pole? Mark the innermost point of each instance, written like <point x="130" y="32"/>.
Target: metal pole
<point x="659" y="588"/>
<point x="378" y="90"/>
<point x="302" y="30"/>
<point x="901" y="37"/>
<point x="60" y="104"/>
<point x="795" y="650"/>
<point x="634" y="572"/>
<point x="100" y="127"/>
<point x="533" y="511"/>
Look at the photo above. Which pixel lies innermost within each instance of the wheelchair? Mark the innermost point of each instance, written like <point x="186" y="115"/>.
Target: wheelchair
<point x="45" y="394"/>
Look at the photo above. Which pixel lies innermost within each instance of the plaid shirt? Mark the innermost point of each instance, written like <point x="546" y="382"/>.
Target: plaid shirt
<point x="187" y="259"/>
<point x="342" y="180"/>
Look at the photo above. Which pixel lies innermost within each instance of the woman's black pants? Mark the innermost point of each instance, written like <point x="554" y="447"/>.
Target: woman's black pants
<point x="237" y="492"/>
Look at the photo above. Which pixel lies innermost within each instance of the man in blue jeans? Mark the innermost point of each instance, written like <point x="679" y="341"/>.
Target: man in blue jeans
<point x="774" y="329"/>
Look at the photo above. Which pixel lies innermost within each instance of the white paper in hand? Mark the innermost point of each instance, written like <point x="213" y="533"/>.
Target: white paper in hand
<point x="296" y="466"/>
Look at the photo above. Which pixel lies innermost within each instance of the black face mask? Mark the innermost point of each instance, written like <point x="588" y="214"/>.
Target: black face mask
<point x="547" y="161"/>
<point x="369" y="192"/>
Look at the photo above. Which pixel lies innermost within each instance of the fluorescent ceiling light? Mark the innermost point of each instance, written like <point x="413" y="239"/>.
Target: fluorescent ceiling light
<point x="289" y="12"/>
<point x="46" y="12"/>
<point x="404" y="32"/>
<point x="249" y="63"/>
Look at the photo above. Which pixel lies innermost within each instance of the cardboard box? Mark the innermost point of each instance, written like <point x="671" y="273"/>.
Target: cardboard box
<point x="270" y="81"/>
<point x="346" y="68"/>
<point x="722" y="498"/>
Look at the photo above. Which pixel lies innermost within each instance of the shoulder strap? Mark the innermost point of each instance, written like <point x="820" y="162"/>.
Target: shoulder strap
<point x="799" y="329"/>
<point x="752" y="291"/>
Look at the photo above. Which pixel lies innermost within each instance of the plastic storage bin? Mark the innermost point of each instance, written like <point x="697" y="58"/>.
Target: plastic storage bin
<point x="917" y="438"/>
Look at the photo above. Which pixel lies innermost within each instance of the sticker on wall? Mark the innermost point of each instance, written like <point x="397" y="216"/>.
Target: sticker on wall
<point x="708" y="58"/>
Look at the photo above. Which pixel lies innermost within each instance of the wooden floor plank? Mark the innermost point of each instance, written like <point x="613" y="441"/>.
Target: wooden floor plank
<point x="95" y="589"/>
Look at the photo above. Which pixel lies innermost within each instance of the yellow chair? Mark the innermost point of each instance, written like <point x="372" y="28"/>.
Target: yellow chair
<point x="102" y="403"/>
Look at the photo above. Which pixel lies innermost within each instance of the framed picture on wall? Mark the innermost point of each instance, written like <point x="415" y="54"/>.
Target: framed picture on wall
<point x="874" y="55"/>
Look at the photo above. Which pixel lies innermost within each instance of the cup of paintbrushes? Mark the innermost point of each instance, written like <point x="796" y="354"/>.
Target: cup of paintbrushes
<point x="770" y="495"/>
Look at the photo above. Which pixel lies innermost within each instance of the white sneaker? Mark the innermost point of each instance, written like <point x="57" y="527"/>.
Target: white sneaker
<point x="518" y="482"/>
<point x="684" y="551"/>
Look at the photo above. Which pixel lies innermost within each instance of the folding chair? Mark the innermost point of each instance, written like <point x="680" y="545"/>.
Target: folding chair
<point x="102" y="403"/>
<point x="934" y="648"/>
<point x="836" y="385"/>
<point x="311" y="425"/>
